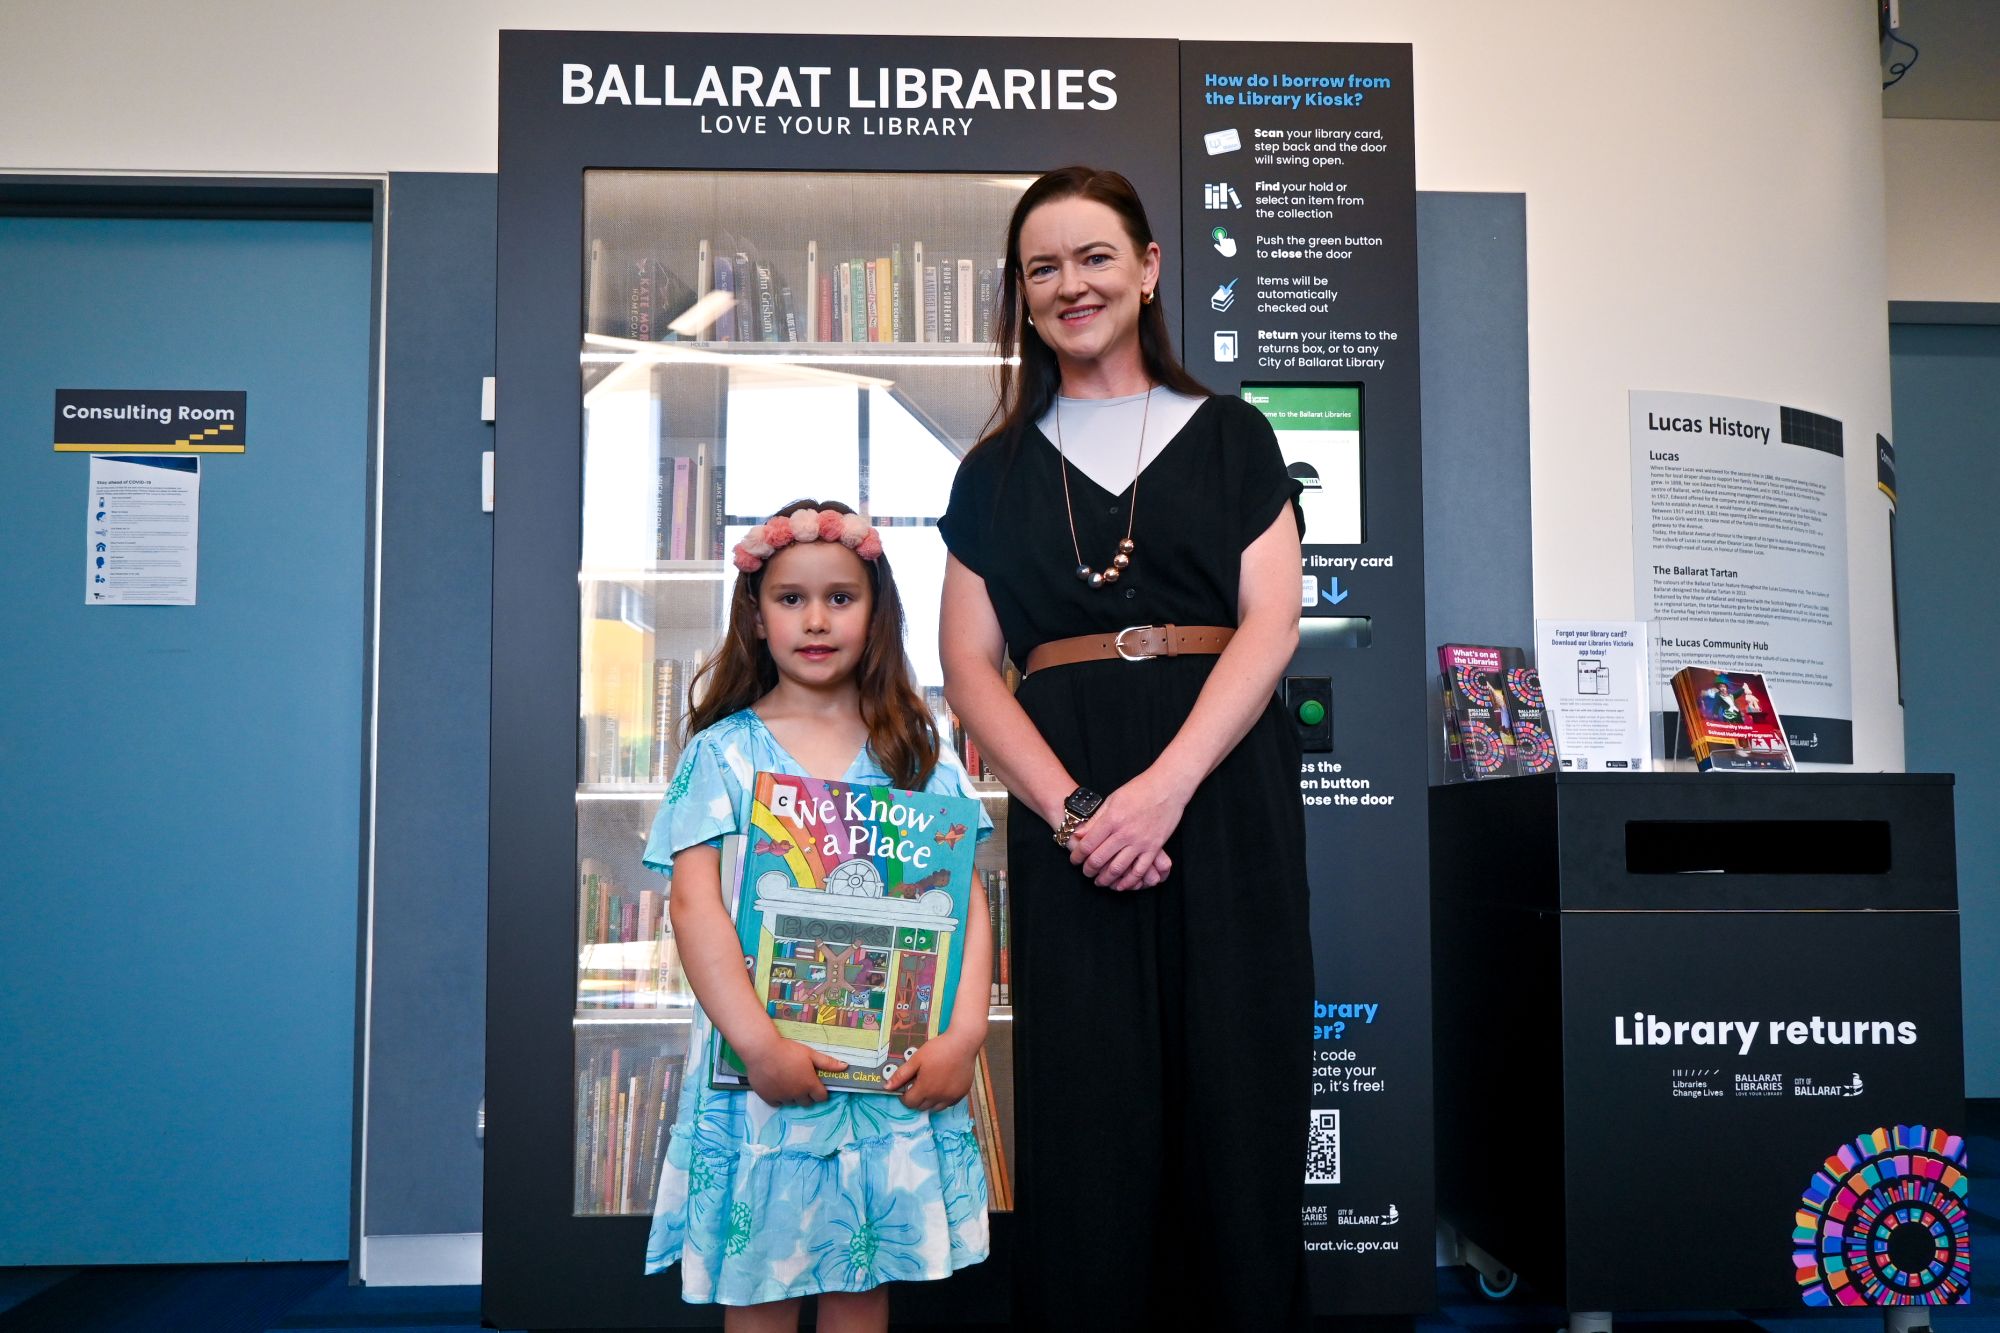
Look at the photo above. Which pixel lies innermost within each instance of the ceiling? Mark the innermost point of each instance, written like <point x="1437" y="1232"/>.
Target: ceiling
<point x="1957" y="73"/>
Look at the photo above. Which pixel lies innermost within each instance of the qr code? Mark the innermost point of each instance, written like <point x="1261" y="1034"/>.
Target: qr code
<point x="1323" y="1148"/>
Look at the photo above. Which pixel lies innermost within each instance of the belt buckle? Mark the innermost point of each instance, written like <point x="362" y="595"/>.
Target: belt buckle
<point x="1119" y="643"/>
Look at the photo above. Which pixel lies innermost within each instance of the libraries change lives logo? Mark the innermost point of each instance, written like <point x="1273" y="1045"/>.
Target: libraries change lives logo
<point x="1884" y="1222"/>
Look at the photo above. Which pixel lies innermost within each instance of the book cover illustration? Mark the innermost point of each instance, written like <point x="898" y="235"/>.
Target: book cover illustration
<point x="1730" y="721"/>
<point x="850" y="904"/>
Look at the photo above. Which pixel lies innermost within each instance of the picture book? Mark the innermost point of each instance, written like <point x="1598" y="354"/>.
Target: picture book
<point x="851" y="904"/>
<point x="1731" y="723"/>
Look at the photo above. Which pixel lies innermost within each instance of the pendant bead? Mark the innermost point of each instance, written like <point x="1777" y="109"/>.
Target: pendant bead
<point x="1125" y="546"/>
<point x="1111" y="575"/>
<point x="1096" y="579"/>
<point x="1083" y="573"/>
<point x="1121" y="561"/>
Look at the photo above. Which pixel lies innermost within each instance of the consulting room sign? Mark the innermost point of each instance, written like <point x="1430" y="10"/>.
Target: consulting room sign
<point x="150" y="421"/>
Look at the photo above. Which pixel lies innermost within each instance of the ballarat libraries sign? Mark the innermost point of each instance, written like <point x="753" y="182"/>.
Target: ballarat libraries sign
<point x="150" y="421"/>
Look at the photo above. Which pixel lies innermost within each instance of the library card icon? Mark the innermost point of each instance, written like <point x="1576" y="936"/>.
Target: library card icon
<point x="1222" y="141"/>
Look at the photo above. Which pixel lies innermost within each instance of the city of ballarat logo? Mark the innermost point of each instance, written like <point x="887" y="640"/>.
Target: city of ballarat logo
<point x="1760" y="1085"/>
<point x="1806" y="1087"/>
<point x="1351" y="1217"/>
<point x="1695" y="1083"/>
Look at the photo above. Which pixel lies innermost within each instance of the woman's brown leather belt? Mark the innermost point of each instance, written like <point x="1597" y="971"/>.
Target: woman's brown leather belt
<point x="1134" y="643"/>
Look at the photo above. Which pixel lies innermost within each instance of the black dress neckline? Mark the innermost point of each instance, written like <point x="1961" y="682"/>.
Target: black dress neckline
<point x="1091" y="481"/>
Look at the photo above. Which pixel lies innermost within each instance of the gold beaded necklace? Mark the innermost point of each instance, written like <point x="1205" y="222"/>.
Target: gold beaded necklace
<point x="1123" y="560"/>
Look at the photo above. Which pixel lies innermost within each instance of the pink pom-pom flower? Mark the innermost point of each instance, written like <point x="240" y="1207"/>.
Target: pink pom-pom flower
<point x="747" y="562"/>
<point x="805" y="525"/>
<point x="832" y="525"/>
<point x="778" y="534"/>
<point x="870" y="546"/>
<point x="853" y="528"/>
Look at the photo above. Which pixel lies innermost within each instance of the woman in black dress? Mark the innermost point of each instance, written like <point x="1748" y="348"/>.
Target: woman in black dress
<point x="1156" y="843"/>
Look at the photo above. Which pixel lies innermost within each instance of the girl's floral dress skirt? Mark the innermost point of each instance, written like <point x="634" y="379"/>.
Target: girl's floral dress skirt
<point x="760" y="1203"/>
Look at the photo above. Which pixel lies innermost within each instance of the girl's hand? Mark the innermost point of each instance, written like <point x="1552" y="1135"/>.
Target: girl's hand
<point x="938" y="1075"/>
<point x="1122" y="845"/>
<point x="786" y="1073"/>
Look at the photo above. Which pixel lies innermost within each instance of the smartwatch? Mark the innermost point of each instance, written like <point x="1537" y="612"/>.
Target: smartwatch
<point x="1078" y="806"/>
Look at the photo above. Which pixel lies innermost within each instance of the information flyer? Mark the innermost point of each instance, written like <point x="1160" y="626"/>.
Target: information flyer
<point x="142" y="532"/>
<point x="1739" y="536"/>
<point x="1599" y="692"/>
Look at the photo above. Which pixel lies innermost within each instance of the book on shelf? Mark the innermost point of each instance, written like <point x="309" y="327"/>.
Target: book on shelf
<point x="625" y="1100"/>
<point x="857" y="301"/>
<point x="947" y="301"/>
<point x="788" y="313"/>
<point x="702" y="272"/>
<point x="918" y="301"/>
<point x="1495" y="722"/>
<point x="986" y="1130"/>
<point x="1730" y="721"/>
<point x="767" y="304"/>
<point x="746" y="299"/>
<point x="983" y="312"/>
<point x="724" y="328"/>
<point x="850" y="904"/>
<point x="967" y="300"/>
<point x="930" y="289"/>
<point x="815" y="326"/>
<point x="626" y="954"/>
<point x="876" y="296"/>
<point x="669" y="685"/>
<point x="898" y="329"/>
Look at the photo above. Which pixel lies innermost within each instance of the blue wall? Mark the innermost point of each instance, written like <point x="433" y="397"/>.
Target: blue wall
<point x="184" y="783"/>
<point x="1946" y="381"/>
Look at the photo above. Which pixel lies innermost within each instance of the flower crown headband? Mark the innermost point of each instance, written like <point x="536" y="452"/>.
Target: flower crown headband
<point x="774" y="534"/>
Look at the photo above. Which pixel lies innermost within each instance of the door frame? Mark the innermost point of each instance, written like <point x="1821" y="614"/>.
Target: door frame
<point x="281" y="198"/>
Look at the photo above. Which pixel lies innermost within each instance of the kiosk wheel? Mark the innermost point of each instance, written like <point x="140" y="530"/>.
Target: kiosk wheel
<point x="1499" y="1285"/>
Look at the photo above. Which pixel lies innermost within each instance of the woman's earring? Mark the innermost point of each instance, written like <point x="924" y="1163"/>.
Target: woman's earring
<point x="1146" y="297"/>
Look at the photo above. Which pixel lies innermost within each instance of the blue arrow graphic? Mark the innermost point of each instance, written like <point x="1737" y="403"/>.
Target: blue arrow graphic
<point x="1333" y="595"/>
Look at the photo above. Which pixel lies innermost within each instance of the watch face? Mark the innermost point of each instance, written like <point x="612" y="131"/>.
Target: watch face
<point x="1083" y="802"/>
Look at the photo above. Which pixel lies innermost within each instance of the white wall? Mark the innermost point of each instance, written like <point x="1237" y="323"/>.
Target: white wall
<point x="1944" y="209"/>
<point x="1704" y="183"/>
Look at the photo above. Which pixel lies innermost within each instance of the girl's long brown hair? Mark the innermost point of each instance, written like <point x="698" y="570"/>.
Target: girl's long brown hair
<point x="1027" y="393"/>
<point x="741" y="671"/>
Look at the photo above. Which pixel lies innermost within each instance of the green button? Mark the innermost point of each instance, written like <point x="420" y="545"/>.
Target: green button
<point x="1312" y="712"/>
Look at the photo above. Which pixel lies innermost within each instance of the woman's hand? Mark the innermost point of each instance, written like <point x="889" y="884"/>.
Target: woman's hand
<point x="938" y="1075"/>
<point x="1122" y="846"/>
<point x="786" y="1073"/>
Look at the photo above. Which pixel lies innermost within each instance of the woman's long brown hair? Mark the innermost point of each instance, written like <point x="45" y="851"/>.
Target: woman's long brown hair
<point x="1027" y="392"/>
<point x="741" y="671"/>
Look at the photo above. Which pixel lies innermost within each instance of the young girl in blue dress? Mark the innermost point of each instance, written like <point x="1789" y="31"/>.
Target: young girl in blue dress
<point x="787" y="1190"/>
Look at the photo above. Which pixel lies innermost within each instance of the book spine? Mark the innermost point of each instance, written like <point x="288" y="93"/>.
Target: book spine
<point x="639" y="299"/>
<point x="843" y="301"/>
<point x="788" y="312"/>
<point x="725" y="281"/>
<point x="815" y="326"/>
<point x="918" y="304"/>
<point x="746" y="299"/>
<point x="885" y="288"/>
<point x="857" y="322"/>
<point x="767" y="304"/>
<point x="930" y="303"/>
<point x="984" y="313"/>
<point x="701" y="268"/>
<point x="824" y="327"/>
<point x="718" y="530"/>
<point x="947" y="301"/>
<point x="872" y="303"/>
<point x="666" y="718"/>
<point x="683" y="485"/>
<point x="898" y="328"/>
<point x="967" y="299"/>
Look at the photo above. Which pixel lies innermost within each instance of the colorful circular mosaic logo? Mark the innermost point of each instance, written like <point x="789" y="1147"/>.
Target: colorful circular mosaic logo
<point x="1525" y="683"/>
<point x="1484" y="748"/>
<point x="1884" y="1222"/>
<point x="1535" y="748"/>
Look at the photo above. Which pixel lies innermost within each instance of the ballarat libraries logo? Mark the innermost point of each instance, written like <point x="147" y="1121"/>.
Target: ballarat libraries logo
<point x="1884" y="1222"/>
<point x="1323" y="1148"/>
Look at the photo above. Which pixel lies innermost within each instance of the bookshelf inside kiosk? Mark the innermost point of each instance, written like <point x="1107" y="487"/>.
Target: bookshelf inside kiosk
<point x="844" y="351"/>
